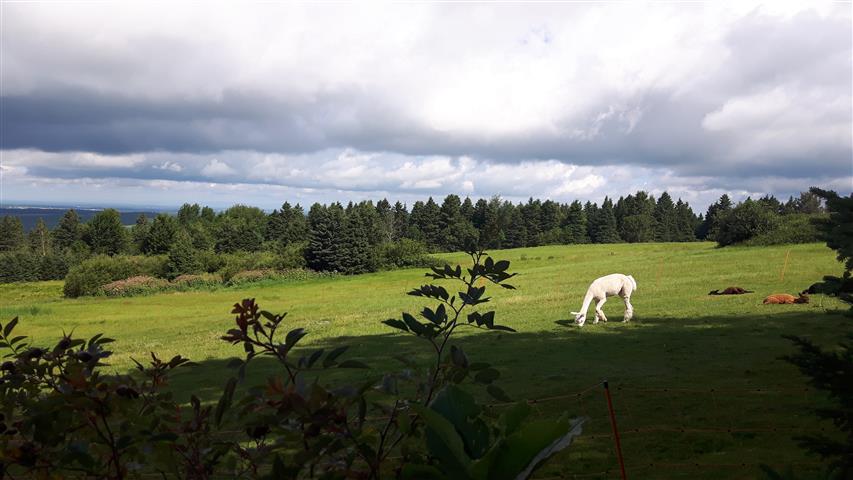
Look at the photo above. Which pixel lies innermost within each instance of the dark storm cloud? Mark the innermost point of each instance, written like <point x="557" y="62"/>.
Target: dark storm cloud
<point x="763" y="95"/>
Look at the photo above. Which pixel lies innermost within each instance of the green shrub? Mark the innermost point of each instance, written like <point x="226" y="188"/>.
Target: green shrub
<point x="747" y="220"/>
<point x="210" y="261"/>
<point x="139" y="285"/>
<point x="251" y="276"/>
<point x="89" y="276"/>
<point x="405" y="253"/>
<point x="203" y="280"/>
<point x="793" y="228"/>
<point x="289" y="256"/>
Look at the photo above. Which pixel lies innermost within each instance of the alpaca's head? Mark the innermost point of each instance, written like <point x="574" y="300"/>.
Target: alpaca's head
<point x="580" y="318"/>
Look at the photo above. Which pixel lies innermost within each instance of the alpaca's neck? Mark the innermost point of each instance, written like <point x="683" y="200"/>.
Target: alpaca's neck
<point x="586" y="301"/>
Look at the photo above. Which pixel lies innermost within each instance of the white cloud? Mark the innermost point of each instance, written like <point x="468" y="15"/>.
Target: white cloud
<point x="217" y="168"/>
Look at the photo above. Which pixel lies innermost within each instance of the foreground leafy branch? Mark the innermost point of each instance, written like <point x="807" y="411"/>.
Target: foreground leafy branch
<point x="61" y="415"/>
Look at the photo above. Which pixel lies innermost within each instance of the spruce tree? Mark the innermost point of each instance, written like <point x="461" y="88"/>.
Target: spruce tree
<point x="401" y="221"/>
<point x="606" y="224"/>
<point x="664" y="219"/>
<point x="11" y="233"/>
<point x="516" y="235"/>
<point x="105" y="233"/>
<point x="68" y="232"/>
<point x="685" y="222"/>
<point x="574" y="224"/>
<point x="325" y="225"/>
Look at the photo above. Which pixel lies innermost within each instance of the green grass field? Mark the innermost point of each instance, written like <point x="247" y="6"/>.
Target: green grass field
<point x="697" y="383"/>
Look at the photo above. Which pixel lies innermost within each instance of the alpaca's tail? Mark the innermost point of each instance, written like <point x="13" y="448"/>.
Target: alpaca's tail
<point x="633" y="281"/>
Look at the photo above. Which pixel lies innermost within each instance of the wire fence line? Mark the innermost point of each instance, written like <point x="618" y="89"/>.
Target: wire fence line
<point x="707" y="417"/>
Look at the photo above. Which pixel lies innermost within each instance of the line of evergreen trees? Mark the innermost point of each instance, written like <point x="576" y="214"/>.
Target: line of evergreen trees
<point x="362" y="237"/>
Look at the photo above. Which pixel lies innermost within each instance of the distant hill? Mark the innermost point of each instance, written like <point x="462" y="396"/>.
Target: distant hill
<point x="51" y="215"/>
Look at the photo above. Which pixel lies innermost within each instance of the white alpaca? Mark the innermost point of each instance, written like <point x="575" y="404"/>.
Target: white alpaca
<point x="607" y="286"/>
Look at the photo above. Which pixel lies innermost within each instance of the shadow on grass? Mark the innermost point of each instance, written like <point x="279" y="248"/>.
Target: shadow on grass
<point x="706" y="390"/>
<point x="740" y="350"/>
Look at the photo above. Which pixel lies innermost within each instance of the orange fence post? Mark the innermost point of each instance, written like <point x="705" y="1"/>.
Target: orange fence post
<point x="615" y="430"/>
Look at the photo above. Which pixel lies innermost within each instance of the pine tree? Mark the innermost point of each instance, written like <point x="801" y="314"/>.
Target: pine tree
<point x="324" y="240"/>
<point x="401" y="221"/>
<point x="685" y="223"/>
<point x="39" y="239"/>
<point x="575" y="224"/>
<point x="708" y="229"/>
<point x="456" y="232"/>
<point x="11" y="233"/>
<point x="604" y="228"/>
<point x="516" y="235"/>
<point x="664" y="219"/>
<point x="106" y="234"/>
<point x="68" y="232"/>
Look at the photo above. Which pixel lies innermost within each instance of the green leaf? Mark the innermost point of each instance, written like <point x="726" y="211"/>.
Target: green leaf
<point x="459" y="408"/>
<point x="314" y="357"/>
<point x="333" y="355"/>
<point x="7" y="330"/>
<point x="447" y="448"/>
<point x="398" y="324"/>
<point x="487" y="375"/>
<point x="352" y="364"/>
<point x="518" y="455"/>
<point x="425" y="472"/>
<point x="294" y="336"/>
<point x="502" y="328"/>
<point x="497" y="393"/>
<point x="458" y="357"/>
<point x="416" y="327"/>
<point x="513" y="417"/>
<point x="225" y="400"/>
<point x="501" y="265"/>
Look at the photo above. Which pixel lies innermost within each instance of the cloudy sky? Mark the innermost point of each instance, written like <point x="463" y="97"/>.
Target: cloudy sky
<point x="158" y="104"/>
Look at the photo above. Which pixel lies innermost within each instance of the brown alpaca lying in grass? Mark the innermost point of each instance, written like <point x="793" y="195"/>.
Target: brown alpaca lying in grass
<point x="783" y="298"/>
<point x="730" y="291"/>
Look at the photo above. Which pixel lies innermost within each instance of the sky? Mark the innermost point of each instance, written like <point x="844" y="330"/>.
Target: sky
<point x="158" y="104"/>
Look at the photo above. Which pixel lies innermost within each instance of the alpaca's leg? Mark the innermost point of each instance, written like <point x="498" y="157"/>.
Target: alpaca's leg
<point x="629" y="309"/>
<point x="599" y="313"/>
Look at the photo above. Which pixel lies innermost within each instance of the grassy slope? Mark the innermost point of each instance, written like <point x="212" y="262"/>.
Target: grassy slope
<point x="711" y="354"/>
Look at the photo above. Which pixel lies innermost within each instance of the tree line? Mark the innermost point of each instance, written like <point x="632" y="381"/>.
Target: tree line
<point x="366" y="236"/>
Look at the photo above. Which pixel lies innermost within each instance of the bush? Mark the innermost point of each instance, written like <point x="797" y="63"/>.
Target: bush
<point x="251" y="276"/>
<point x="89" y="276"/>
<point x="129" y="287"/>
<point x="793" y="228"/>
<point x="405" y="253"/>
<point x="747" y="220"/>
<point x="234" y="263"/>
<point x="203" y="280"/>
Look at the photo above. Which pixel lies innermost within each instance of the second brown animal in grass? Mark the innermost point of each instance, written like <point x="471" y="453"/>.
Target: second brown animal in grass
<point x="730" y="291"/>
<point x="784" y="298"/>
